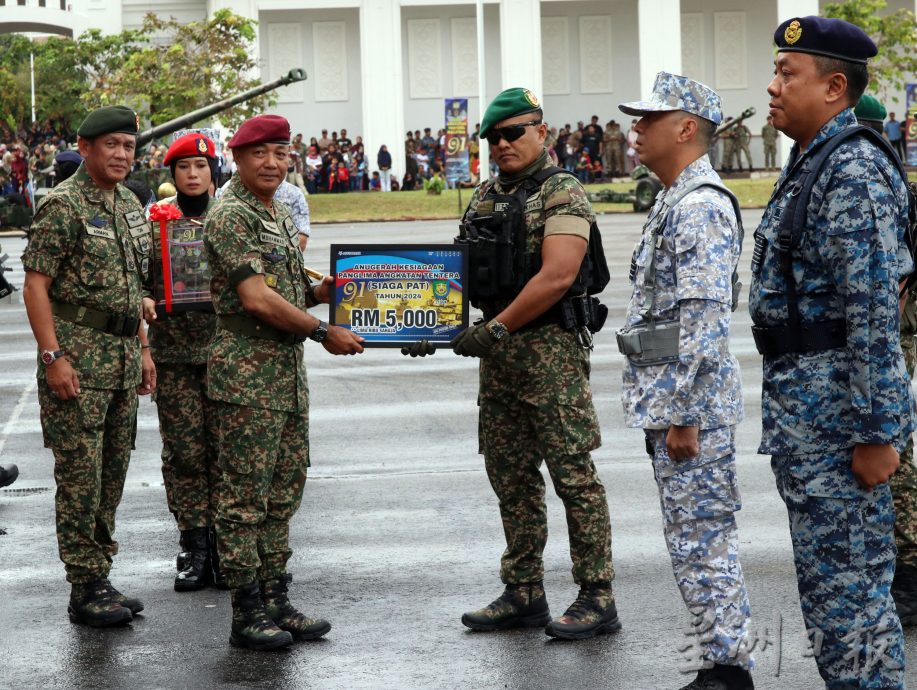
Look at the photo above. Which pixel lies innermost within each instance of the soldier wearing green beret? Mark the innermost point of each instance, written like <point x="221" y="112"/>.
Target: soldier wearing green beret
<point x="535" y="400"/>
<point x="88" y="249"/>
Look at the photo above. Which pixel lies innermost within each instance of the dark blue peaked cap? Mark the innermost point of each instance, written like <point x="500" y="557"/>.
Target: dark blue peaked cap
<point x="821" y="36"/>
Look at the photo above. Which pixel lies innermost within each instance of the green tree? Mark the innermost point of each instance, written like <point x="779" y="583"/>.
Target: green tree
<point x="190" y="66"/>
<point x="895" y="35"/>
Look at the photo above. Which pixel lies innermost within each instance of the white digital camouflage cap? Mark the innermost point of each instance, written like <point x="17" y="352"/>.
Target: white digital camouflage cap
<point x="674" y="92"/>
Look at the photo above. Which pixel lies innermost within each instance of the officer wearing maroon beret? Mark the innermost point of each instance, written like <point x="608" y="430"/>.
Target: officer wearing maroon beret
<point x="257" y="378"/>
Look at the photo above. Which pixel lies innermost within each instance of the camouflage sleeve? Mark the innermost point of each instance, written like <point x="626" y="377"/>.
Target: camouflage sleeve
<point x="51" y="237"/>
<point x="702" y="342"/>
<point x="859" y="229"/>
<point x="566" y="207"/>
<point x="231" y="244"/>
<point x="704" y="232"/>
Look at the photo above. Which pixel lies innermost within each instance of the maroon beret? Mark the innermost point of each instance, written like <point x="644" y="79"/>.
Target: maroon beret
<point x="190" y="145"/>
<point x="262" y="129"/>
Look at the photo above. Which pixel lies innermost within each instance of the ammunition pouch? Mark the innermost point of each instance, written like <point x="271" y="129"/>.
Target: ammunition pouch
<point x="809" y="337"/>
<point x="654" y="343"/>
<point x="120" y="325"/>
<point x="252" y="327"/>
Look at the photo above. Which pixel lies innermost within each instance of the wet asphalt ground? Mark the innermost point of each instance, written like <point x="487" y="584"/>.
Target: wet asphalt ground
<point x="398" y="535"/>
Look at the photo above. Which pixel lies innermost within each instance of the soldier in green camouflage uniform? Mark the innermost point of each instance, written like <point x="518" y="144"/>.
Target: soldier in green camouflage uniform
<point x="83" y="289"/>
<point x="257" y="377"/>
<point x="729" y="149"/>
<point x="769" y="137"/>
<point x="187" y="418"/>
<point x="535" y="400"/>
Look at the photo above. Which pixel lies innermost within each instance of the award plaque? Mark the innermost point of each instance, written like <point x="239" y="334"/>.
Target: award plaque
<point x="396" y="294"/>
<point x="181" y="280"/>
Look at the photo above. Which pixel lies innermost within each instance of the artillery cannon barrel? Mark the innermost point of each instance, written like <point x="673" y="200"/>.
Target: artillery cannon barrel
<point x="731" y="122"/>
<point x="146" y="136"/>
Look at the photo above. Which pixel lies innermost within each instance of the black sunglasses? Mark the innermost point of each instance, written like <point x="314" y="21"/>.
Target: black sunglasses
<point x="510" y="132"/>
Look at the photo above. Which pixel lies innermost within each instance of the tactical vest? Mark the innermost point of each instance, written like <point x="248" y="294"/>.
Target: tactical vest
<point x="500" y="264"/>
<point x="796" y="336"/>
<point x="653" y="342"/>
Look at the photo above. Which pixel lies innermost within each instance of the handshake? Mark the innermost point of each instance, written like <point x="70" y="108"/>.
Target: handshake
<point x="477" y="340"/>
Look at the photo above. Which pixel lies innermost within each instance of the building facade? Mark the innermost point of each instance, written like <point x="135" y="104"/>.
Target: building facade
<point x="381" y="67"/>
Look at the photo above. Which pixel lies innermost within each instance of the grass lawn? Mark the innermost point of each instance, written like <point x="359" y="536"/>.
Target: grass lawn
<point x="375" y="206"/>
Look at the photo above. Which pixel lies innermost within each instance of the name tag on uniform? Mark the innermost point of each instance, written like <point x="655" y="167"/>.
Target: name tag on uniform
<point x="534" y="203"/>
<point x="289" y="227"/>
<point x="272" y="239"/>
<point x="270" y="226"/>
<point x="270" y="279"/>
<point x="134" y="218"/>
<point x="101" y="232"/>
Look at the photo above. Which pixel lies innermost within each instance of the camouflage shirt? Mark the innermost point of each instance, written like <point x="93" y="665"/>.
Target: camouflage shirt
<point x="769" y="135"/>
<point x="242" y="238"/>
<point x="847" y="266"/>
<point x="94" y="250"/>
<point x="695" y="257"/>
<point x="560" y="207"/>
<point x="181" y="337"/>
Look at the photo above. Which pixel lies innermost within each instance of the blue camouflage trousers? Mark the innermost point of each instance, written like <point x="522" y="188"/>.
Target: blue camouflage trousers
<point x="844" y="547"/>
<point x="699" y="498"/>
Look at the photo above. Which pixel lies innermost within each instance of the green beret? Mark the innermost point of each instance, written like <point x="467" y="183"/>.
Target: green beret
<point x="509" y="103"/>
<point x="110" y="119"/>
<point x="869" y="108"/>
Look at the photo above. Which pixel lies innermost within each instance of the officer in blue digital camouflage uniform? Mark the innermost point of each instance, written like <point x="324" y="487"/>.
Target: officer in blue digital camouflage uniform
<point x="681" y="384"/>
<point x="836" y="401"/>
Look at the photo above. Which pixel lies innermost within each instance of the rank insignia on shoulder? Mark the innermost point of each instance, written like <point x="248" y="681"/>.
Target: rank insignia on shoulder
<point x="98" y="222"/>
<point x="270" y="279"/>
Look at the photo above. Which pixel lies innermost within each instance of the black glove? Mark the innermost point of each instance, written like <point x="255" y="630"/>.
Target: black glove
<point x="474" y="341"/>
<point x="421" y="348"/>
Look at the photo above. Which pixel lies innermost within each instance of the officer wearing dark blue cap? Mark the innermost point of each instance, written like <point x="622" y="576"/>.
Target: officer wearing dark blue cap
<point x="837" y="405"/>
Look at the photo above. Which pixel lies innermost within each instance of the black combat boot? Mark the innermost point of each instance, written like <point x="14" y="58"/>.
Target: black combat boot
<point x="135" y="605"/>
<point x="92" y="604"/>
<point x="721" y="677"/>
<point x="9" y="473"/>
<point x="251" y="626"/>
<point x="283" y="613"/>
<point x="198" y="573"/>
<point x="184" y="555"/>
<point x="219" y="578"/>
<point x="520" y="606"/>
<point x="904" y="592"/>
<point x="593" y="613"/>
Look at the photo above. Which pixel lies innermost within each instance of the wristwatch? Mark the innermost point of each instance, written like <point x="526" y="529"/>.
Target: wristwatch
<point x="48" y="357"/>
<point x="497" y="330"/>
<point x="320" y="332"/>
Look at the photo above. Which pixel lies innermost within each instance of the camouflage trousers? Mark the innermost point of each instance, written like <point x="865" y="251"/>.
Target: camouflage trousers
<point x="91" y="437"/>
<point x="770" y="155"/>
<point x="699" y="498"/>
<point x="536" y="407"/>
<point x="188" y="427"/>
<point x="740" y="149"/>
<point x="904" y="482"/>
<point x="263" y="456"/>
<point x="844" y="548"/>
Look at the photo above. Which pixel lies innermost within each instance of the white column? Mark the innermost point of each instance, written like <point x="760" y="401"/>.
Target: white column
<point x="382" y="81"/>
<point x="787" y="9"/>
<point x="659" y="35"/>
<point x="520" y="44"/>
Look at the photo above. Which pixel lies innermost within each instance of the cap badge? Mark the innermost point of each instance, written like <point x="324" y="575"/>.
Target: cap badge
<point x="531" y="98"/>
<point x="202" y="146"/>
<point x="793" y="32"/>
<point x="137" y="121"/>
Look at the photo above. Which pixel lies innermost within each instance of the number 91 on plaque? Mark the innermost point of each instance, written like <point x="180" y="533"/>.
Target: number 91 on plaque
<point x="395" y="294"/>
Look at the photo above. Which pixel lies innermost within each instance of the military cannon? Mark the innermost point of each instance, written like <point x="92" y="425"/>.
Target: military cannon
<point x="731" y="122"/>
<point x="641" y="198"/>
<point x="15" y="214"/>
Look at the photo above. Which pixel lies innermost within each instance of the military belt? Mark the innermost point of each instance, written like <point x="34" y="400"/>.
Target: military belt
<point x="651" y="344"/>
<point x="247" y="325"/>
<point x="806" y="337"/>
<point x="114" y="324"/>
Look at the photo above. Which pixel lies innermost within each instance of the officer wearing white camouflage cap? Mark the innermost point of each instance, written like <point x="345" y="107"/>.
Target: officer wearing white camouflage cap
<point x="681" y="384"/>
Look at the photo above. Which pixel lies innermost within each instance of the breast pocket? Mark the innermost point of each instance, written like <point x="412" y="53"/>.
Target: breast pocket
<point x="101" y="262"/>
